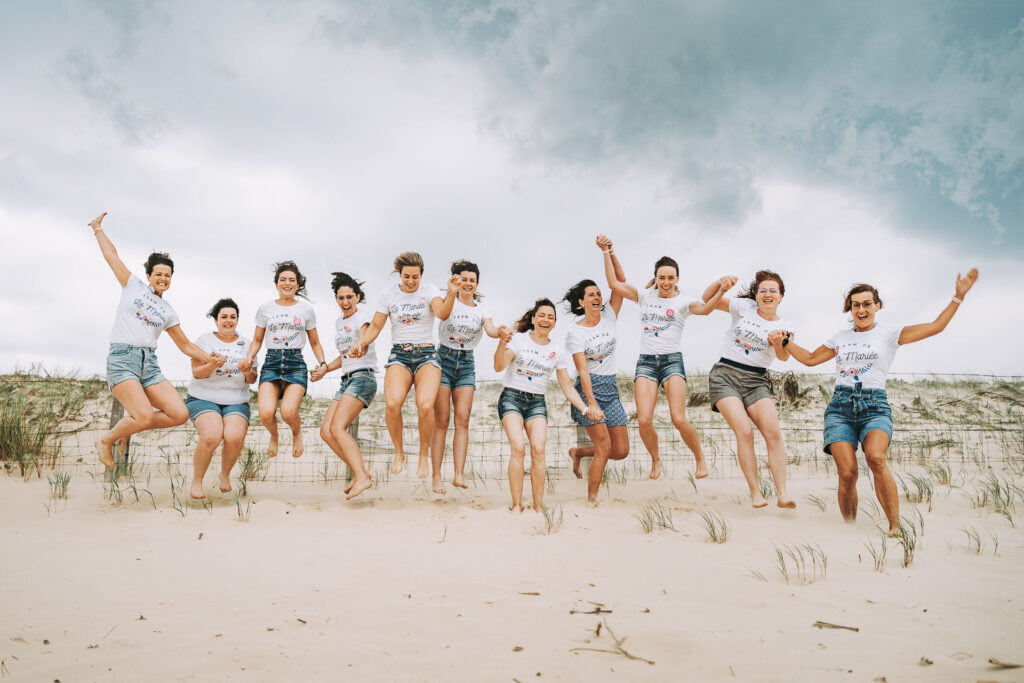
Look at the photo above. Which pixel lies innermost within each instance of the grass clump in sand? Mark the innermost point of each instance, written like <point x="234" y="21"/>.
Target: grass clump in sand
<point x="803" y="563"/>
<point x="879" y="554"/>
<point x="59" y="482"/>
<point x="715" y="526"/>
<point x="654" y="515"/>
<point x="554" y="517"/>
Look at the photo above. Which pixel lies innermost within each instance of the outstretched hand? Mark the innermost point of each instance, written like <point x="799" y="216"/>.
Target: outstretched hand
<point x="727" y="282"/>
<point x="964" y="284"/>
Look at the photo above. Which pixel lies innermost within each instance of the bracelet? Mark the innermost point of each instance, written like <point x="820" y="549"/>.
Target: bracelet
<point x="609" y="252"/>
<point x="957" y="300"/>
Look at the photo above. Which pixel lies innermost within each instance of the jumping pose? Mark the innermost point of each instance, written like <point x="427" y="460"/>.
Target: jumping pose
<point x="290" y="323"/>
<point x="412" y="308"/>
<point x="859" y="412"/>
<point x="663" y="312"/>
<point x="218" y="397"/>
<point x="133" y="375"/>
<point x="358" y="381"/>
<point x="738" y="382"/>
<point x="528" y="358"/>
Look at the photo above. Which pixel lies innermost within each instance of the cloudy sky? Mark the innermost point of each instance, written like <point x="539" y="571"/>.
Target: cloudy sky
<point x="832" y="142"/>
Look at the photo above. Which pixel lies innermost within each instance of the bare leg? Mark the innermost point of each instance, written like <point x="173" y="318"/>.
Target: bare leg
<point x="211" y="430"/>
<point x="397" y="382"/>
<point x="845" y="456"/>
<point x="513" y="424"/>
<point x="675" y="392"/>
<point x="347" y="410"/>
<point x="428" y="381"/>
<point x="139" y="404"/>
<point x="235" y="429"/>
<point x="601" y="439"/>
<point x="290" y="402"/>
<point x="442" y="414"/>
<point x="463" y="400"/>
<point x="731" y="408"/>
<point x="537" y="432"/>
<point x="876" y="445"/>
<point x="646" y="394"/>
<point x="766" y="418"/>
<point x="266" y="401"/>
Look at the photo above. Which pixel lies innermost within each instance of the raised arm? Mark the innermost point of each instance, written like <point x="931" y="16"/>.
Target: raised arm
<point x="723" y="285"/>
<point x="121" y="271"/>
<point x="503" y="355"/>
<point x="913" y="333"/>
<point x="442" y="308"/>
<point x="726" y="283"/>
<point x="614" y="274"/>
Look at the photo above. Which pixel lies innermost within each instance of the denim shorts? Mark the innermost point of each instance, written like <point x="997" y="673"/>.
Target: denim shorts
<point x="125" y="361"/>
<point x="361" y="384"/>
<point x="286" y="366"/>
<point x="748" y="383"/>
<point x="523" y="403"/>
<point x="659" y="367"/>
<point x="606" y="393"/>
<point x="412" y="357"/>
<point x="457" y="367"/>
<point x="198" y="406"/>
<point x="855" y="411"/>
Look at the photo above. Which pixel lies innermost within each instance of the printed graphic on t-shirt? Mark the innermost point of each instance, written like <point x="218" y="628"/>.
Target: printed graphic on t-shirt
<point x="285" y="333"/>
<point x="531" y="363"/>
<point x="148" y="312"/>
<point x="408" y="313"/>
<point x="747" y="338"/>
<point x="862" y="356"/>
<point x="655" y="323"/>
<point x="233" y="352"/>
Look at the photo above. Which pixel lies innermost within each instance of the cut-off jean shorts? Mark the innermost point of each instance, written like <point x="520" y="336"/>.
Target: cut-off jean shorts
<point x="458" y="369"/>
<point x="361" y="384"/>
<point x="524" y="403"/>
<point x="659" y="367"/>
<point x="746" y="382"/>
<point x="285" y="366"/>
<point x="125" y="362"/>
<point x="412" y="357"/>
<point x="198" y="406"/>
<point x="855" y="411"/>
<point x="606" y="393"/>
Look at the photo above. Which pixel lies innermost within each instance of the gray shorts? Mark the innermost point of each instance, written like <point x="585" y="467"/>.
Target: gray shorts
<point x="748" y="385"/>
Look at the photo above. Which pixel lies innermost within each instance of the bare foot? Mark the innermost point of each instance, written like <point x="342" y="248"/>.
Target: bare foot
<point x="460" y="481"/>
<point x="225" y="483"/>
<point x="272" y="447"/>
<point x="197" y="490"/>
<point x="350" y="485"/>
<point x="398" y="464"/>
<point x="894" y="532"/>
<point x="106" y="454"/>
<point x="298" y="448"/>
<point x="655" y="467"/>
<point x="357" y="487"/>
<point x="575" y="462"/>
<point x="423" y="469"/>
<point x="438" y="486"/>
<point x="758" y="501"/>
<point x="516" y="509"/>
<point x="787" y="504"/>
<point x="702" y="469"/>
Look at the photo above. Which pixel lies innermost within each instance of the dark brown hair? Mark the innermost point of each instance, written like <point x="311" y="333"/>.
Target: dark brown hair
<point x="525" y="323"/>
<point x="759" y="277"/>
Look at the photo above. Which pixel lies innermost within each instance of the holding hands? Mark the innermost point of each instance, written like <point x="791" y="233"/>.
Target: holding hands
<point x="504" y="334"/>
<point x="727" y="282"/>
<point x="604" y="243"/>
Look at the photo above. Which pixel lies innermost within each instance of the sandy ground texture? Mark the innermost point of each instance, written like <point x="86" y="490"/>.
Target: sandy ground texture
<point x="404" y="585"/>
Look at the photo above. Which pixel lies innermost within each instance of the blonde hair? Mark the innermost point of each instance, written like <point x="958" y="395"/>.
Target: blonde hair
<point x="408" y="258"/>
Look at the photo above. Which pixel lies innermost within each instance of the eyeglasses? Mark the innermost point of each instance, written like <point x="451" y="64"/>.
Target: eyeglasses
<point x="861" y="304"/>
<point x="767" y="291"/>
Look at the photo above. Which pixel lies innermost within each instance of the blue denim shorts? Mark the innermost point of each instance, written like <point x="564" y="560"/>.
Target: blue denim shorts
<point x="125" y="361"/>
<point x="659" y="367"/>
<point x="523" y="403"/>
<point x="361" y="384"/>
<point x="198" y="406"/>
<point x="412" y="357"/>
<point x="606" y="393"/>
<point x="286" y="366"/>
<point x="855" y="411"/>
<point x="747" y="383"/>
<point x="457" y="367"/>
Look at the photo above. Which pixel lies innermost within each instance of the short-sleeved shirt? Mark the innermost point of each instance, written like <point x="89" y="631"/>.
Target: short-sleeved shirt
<point x="346" y="333"/>
<point x="864" y="357"/>
<point x="597" y="343"/>
<point x="286" y="326"/>
<point x="141" y="315"/>
<point x="533" y="365"/>
<point x="412" y="318"/>
<point x="464" y="327"/>
<point x="661" y="321"/>
<point x="226" y="385"/>
<point x="746" y="340"/>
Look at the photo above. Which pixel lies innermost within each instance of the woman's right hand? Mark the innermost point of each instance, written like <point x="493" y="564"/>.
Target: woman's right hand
<point x="245" y="364"/>
<point x="594" y="413"/>
<point x="357" y="350"/>
<point x="505" y="334"/>
<point x="603" y="243"/>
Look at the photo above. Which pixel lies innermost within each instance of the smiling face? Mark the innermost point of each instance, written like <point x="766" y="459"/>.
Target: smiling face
<point x="544" y="320"/>
<point x="160" y="278"/>
<point x="666" y="278"/>
<point x="227" y="321"/>
<point x="347" y="300"/>
<point x="592" y="300"/>
<point x="411" y="278"/>
<point x="863" y="306"/>
<point x="467" y="283"/>
<point x="768" y="296"/>
<point x="287" y="284"/>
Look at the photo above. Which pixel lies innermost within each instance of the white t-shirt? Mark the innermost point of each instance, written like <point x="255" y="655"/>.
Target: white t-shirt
<point x="226" y="385"/>
<point x="412" y="319"/>
<point x="597" y="343"/>
<point x="141" y="315"/>
<point x="286" y="325"/>
<point x="864" y="357"/>
<point x="464" y="327"/>
<point x="531" y="369"/>
<point x="661" y="321"/>
<point x="346" y="333"/>
<point x="746" y="340"/>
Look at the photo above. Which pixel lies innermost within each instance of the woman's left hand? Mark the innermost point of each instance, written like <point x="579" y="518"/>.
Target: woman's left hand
<point x="964" y="284"/>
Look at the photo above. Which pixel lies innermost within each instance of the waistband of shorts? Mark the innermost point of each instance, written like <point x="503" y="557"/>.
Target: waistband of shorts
<point x="453" y="352"/>
<point x="661" y="356"/>
<point x="119" y="346"/>
<point x="412" y="347"/>
<point x="284" y="352"/>
<point x="596" y="380"/>
<point x="859" y="390"/>
<point x="355" y="372"/>
<point x="519" y="392"/>
<point x="742" y="366"/>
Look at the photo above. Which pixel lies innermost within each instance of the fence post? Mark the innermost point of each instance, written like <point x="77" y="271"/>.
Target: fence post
<point x="120" y="460"/>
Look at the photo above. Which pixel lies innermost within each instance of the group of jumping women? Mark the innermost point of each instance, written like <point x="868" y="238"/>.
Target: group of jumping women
<point x="224" y="365"/>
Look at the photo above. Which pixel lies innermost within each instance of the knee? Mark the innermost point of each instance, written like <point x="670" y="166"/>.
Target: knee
<point x="268" y="415"/>
<point x="645" y="422"/>
<point x="681" y="423"/>
<point x="393" y="409"/>
<point x="518" y="453"/>
<point x="177" y="416"/>
<point x="233" y="443"/>
<point x="209" y="441"/>
<point x="745" y="436"/>
<point x="289" y="415"/>
<point x="538" y="458"/>
<point x="848" y="478"/>
<point x="326" y="433"/>
<point x="425" y="409"/>
<point x="876" y="461"/>
<point x="461" y="421"/>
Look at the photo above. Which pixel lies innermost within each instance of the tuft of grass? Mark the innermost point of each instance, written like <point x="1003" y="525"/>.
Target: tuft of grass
<point x="919" y="490"/>
<point x="817" y="502"/>
<point x="973" y="542"/>
<point x="693" y="482"/>
<point x="908" y="539"/>
<point x="654" y="515"/>
<point x="244" y="511"/>
<point x="803" y="563"/>
<point x="554" y="516"/>
<point x="715" y="526"/>
<point x="59" y="482"/>
<point x="765" y="483"/>
<point x="879" y="554"/>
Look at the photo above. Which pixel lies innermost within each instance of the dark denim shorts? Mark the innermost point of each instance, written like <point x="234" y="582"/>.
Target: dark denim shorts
<point x="125" y="361"/>
<point x="361" y="384"/>
<point x="412" y="357"/>
<point x="457" y="367"/>
<point x="198" y="406"/>
<point x="523" y="403"/>
<point x="286" y="366"/>
<point x="606" y="393"/>
<point x="659" y="367"/>
<point x="855" y="411"/>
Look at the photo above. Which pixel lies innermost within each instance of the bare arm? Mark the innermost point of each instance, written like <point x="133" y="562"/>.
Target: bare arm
<point x="726" y="283"/>
<point x="442" y="308"/>
<point x="121" y="271"/>
<point x="368" y="334"/>
<point x="314" y="345"/>
<point x="779" y="341"/>
<point x="811" y="358"/>
<point x="503" y="355"/>
<point x="490" y="329"/>
<point x="614" y="274"/>
<point x="580" y="361"/>
<point x="913" y="333"/>
<point x="573" y="396"/>
<point x="177" y="335"/>
<point x="250" y="356"/>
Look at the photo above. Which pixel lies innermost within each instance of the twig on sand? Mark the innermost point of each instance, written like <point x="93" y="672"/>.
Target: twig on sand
<point x="1003" y="665"/>
<point x="825" y="624"/>
<point x="619" y="650"/>
<point x="598" y="609"/>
